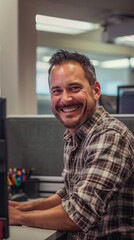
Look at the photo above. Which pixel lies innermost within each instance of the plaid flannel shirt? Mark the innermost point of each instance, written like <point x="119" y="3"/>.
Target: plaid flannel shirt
<point x="98" y="191"/>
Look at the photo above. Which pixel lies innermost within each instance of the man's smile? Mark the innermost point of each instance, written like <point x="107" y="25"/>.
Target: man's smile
<point x="70" y="109"/>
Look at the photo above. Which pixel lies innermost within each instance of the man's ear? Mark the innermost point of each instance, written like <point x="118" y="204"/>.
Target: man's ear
<point x="96" y="89"/>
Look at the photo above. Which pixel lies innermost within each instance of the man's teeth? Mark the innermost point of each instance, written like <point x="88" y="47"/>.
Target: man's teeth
<point x="69" y="109"/>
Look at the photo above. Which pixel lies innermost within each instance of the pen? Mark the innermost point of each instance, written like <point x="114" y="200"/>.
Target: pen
<point x="23" y="176"/>
<point x="16" y="180"/>
<point x="9" y="181"/>
<point x="30" y="173"/>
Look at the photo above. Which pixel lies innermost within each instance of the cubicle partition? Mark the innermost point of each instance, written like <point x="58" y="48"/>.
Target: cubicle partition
<point x="127" y="119"/>
<point x="37" y="142"/>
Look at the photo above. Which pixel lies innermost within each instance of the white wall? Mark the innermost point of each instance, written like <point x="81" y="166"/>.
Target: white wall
<point x="9" y="53"/>
<point x="18" y="55"/>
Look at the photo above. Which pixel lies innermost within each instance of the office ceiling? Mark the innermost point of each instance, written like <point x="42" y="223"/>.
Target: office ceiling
<point x="97" y="11"/>
<point x="105" y="12"/>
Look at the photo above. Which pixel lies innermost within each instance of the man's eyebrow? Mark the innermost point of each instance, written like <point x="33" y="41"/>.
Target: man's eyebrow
<point x="75" y="83"/>
<point x="54" y="87"/>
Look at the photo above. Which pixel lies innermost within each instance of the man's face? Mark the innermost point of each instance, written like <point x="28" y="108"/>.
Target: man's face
<point x="73" y="99"/>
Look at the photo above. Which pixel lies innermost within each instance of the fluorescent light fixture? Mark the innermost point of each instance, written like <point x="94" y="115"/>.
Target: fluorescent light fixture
<point x="125" y="40"/>
<point x="95" y="62"/>
<point x="62" y="25"/>
<point x="118" y="63"/>
<point x="132" y="62"/>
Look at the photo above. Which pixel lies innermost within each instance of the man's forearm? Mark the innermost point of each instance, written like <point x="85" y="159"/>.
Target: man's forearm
<point x="47" y="213"/>
<point x="47" y="203"/>
<point x="41" y="204"/>
<point x="54" y="218"/>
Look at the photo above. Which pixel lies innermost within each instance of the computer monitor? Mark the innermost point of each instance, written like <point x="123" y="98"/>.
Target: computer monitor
<point x="4" y="226"/>
<point x="125" y="99"/>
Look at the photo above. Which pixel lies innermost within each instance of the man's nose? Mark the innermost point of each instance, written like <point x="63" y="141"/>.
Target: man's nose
<point x="66" y="96"/>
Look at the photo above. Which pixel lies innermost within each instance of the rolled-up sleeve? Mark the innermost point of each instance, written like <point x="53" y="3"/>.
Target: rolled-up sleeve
<point x="62" y="192"/>
<point x="107" y="165"/>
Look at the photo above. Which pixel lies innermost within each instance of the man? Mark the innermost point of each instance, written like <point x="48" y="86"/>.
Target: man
<point x="97" y="199"/>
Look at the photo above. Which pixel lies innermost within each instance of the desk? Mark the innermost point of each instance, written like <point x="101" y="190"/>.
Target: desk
<point x="26" y="233"/>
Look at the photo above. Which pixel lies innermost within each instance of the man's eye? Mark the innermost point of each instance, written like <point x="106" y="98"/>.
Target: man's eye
<point x="56" y="92"/>
<point x="75" y="88"/>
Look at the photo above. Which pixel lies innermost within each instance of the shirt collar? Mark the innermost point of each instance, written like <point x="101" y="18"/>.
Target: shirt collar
<point x="82" y="130"/>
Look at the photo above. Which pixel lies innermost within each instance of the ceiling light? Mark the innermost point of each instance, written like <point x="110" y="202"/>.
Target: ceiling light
<point x="95" y="63"/>
<point x="125" y="40"/>
<point x="132" y="62"/>
<point x="61" y="25"/>
<point x="118" y="63"/>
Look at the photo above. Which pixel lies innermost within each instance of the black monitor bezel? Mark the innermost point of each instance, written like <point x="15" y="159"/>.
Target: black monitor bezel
<point x="123" y="87"/>
<point x="4" y="169"/>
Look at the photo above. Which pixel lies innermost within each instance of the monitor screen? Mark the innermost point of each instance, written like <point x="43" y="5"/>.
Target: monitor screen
<point x="125" y="100"/>
<point x="3" y="173"/>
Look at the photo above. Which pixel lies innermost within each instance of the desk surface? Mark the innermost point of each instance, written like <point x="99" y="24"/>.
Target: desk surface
<point x="26" y="233"/>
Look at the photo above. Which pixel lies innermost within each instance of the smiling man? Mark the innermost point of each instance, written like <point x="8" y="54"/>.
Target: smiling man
<point x="97" y="199"/>
<point x="73" y="98"/>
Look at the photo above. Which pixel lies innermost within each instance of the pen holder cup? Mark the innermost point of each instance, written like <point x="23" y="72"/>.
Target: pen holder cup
<point x="31" y="188"/>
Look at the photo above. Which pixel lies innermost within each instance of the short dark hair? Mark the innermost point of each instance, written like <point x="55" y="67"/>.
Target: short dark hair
<point x="62" y="56"/>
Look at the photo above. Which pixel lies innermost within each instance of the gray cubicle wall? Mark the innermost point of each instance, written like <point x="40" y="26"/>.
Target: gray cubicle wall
<point x="127" y="119"/>
<point x="35" y="142"/>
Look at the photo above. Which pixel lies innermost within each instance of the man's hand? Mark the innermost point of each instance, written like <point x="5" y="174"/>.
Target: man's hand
<point x="22" y="206"/>
<point x="13" y="203"/>
<point x="14" y="215"/>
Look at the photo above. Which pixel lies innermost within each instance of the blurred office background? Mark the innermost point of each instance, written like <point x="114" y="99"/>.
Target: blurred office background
<point x="26" y="46"/>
